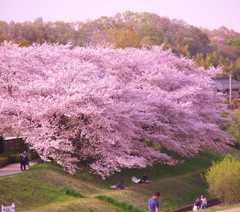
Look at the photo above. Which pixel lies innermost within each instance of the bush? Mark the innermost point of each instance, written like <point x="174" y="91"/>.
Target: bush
<point x="71" y="192"/>
<point x="3" y="161"/>
<point x="123" y="205"/>
<point x="13" y="158"/>
<point x="223" y="179"/>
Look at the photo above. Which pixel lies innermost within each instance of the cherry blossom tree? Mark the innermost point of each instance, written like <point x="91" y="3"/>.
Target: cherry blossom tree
<point x="109" y="109"/>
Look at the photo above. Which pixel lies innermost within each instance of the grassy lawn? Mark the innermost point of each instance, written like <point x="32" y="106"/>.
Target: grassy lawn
<point x="47" y="188"/>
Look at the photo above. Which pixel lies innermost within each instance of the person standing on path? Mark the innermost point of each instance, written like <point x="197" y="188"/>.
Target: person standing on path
<point x="26" y="159"/>
<point x="153" y="203"/>
<point x="22" y="162"/>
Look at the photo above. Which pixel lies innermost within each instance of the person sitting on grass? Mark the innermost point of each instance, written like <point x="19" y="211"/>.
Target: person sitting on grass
<point x="144" y="179"/>
<point x="135" y="180"/>
<point x="198" y="202"/>
<point x="203" y="202"/>
<point x="153" y="203"/>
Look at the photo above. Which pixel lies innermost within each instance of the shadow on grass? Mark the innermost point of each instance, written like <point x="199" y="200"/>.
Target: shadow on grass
<point x="198" y="163"/>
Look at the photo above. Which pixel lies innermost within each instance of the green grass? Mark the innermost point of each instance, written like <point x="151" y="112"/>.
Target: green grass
<point x="197" y="163"/>
<point x="47" y="188"/>
<point x="28" y="189"/>
<point x="122" y="205"/>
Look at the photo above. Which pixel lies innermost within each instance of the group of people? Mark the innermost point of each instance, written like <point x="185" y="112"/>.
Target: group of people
<point x="153" y="203"/>
<point x="200" y="203"/>
<point x="24" y="161"/>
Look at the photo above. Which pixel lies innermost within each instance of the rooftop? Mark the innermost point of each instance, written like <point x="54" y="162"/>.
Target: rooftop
<point x="223" y="84"/>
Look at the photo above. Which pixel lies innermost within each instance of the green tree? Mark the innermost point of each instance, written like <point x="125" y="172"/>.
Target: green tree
<point x="235" y="42"/>
<point x="3" y="31"/>
<point x="236" y="68"/>
<point x="123" y="38"/>
<point x="223" y="179"/>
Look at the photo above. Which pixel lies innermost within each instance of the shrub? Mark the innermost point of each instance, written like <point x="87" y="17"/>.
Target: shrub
<point x="123" y="205"/>
<point x="3" y="161"/>
<point x="223" y="179"/>
<point x="71" y="192"/>
<point x="13" y="158"/>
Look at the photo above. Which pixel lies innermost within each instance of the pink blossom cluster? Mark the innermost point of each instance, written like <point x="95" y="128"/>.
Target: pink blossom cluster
<point x="108" y="109"/>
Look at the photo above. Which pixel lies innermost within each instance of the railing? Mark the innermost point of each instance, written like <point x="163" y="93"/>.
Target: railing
<point x="211" y="202"/>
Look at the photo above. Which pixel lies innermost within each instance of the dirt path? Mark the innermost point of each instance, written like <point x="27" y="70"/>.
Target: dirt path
<point x="11" y="169"/>
<point x="231" y="210"/>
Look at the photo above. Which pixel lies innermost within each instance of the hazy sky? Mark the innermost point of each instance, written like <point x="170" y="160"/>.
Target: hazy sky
<point x="206" y="13"/>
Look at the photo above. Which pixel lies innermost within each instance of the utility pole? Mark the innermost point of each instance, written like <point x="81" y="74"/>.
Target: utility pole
<point x="230" y="89"/>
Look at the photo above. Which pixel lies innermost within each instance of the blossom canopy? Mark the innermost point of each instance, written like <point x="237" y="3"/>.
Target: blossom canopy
<point x="108" y="108"/>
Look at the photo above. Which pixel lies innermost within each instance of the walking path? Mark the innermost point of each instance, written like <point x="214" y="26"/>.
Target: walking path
<point x="11" y="169"/>
<point x="231" y="210"/>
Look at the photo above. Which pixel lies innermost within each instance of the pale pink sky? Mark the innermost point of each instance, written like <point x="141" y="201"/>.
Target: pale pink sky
<point x="206" y="13"/>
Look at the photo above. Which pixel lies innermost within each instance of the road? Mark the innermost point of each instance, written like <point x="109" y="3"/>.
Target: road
<point x="11" y="169"/>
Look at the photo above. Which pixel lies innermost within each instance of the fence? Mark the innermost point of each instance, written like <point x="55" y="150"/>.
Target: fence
<point x="186" y="208"/>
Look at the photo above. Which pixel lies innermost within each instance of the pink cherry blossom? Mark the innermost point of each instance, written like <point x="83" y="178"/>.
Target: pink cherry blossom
<point x="107" y="108"/>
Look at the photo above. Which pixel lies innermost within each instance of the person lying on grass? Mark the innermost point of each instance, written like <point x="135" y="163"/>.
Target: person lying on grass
<point x="144" y="179"/>
<point x="119" y="185"/>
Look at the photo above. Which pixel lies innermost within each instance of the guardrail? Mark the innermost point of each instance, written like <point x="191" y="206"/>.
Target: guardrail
<point x="211" y="202"/>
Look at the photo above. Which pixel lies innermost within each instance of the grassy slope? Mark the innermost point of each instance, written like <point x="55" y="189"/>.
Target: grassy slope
<point x="42" y="188"/>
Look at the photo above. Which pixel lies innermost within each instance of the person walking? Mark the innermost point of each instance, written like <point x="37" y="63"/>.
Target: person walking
<point x="22" y="162"/>
<point x="26" y="159"/>
<point x="153" y="203"/>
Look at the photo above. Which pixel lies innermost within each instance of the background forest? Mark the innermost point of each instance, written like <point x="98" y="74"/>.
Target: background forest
<point x="220" y="47"/>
